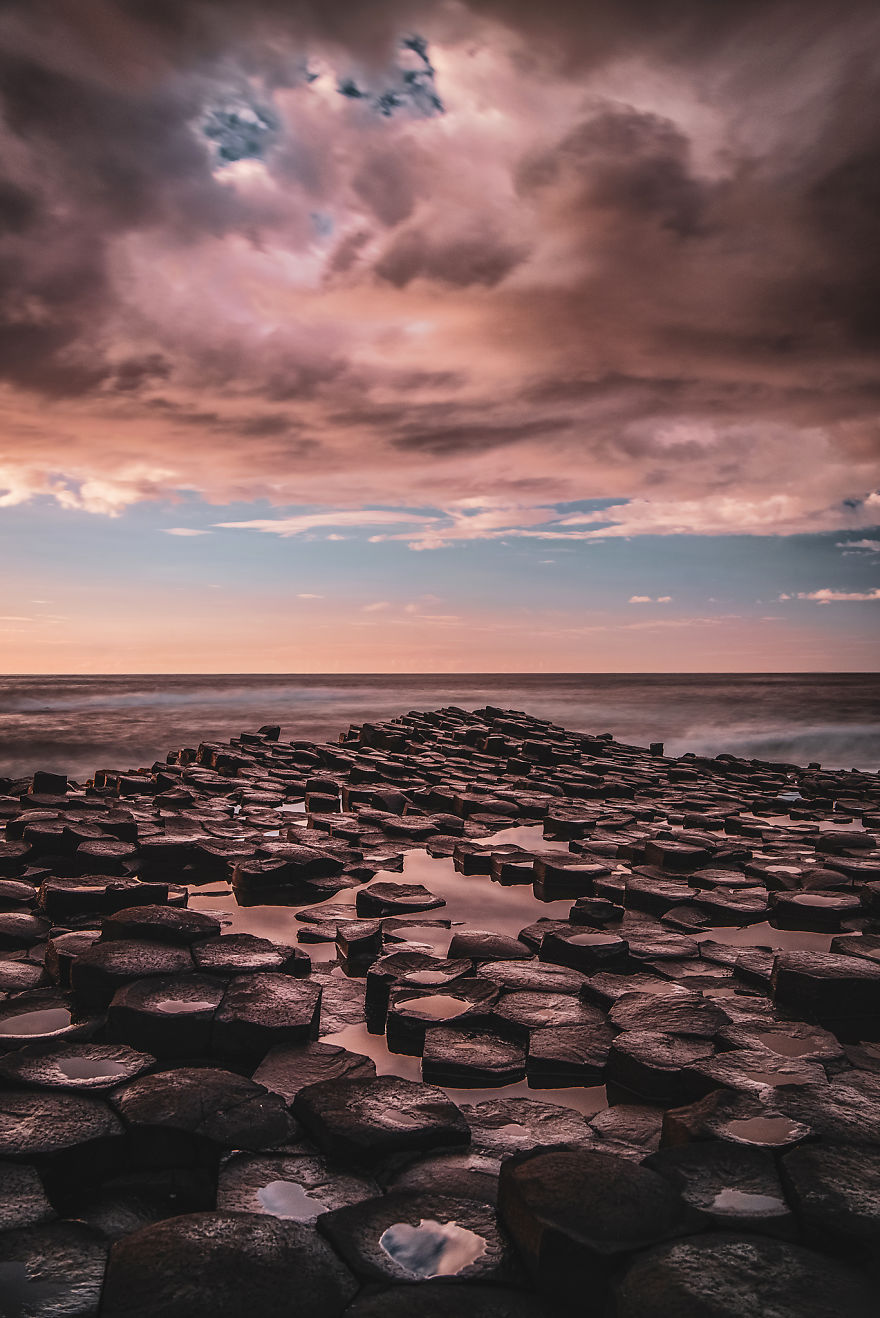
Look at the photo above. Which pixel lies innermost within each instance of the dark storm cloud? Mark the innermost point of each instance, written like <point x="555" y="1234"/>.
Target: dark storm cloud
<point x="459" y="259"/>
<point x="452" y="440"/>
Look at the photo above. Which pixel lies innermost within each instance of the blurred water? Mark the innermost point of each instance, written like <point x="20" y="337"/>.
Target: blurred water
<point x="77" y="724"/>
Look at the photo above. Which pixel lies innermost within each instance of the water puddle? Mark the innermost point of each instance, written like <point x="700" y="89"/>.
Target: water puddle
<point x="587" y="1101"/>
<point x="289" y="1199"/>
<point x="87" y="1068"/>
<point x="47" y="1021"/>
<point x="763" y="1130"/>
<point x="180" y="1006"/>
<point x="432" y="1249"/>
<point x="739" y="1201"/>
<point x="767" y="936"/>
<point x="776" y="1078"/>
<point x="427" y="977"/>
<point x="786" y="1045"/>
<point x="22" y="1295"/>
<point x="436" y="1007"/>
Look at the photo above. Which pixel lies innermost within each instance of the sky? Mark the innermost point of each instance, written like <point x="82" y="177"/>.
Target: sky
<point x="439" y="335"/>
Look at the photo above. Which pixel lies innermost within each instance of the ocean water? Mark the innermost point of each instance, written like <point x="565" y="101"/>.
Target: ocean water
<point x="78" y="724"/>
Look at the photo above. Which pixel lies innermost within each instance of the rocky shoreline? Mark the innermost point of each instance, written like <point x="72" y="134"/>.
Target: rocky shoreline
<point x="681" y="955"/>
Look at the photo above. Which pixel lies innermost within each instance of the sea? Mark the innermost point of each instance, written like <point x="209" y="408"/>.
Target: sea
<point x="77" y="724"/>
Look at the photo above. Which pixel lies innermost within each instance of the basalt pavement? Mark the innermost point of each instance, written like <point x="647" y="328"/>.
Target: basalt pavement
<point x="182" y="1133"/>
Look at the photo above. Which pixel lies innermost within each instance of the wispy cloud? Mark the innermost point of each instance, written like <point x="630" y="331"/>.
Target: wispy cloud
<point x="861" y="546"/>
<point x="184" y="531"/>
<point x="827" y="596"/>
<point x="303" y="523"/>
<point x="649" y="599"/>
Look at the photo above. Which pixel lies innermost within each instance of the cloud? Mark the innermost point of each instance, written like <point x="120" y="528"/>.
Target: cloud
<point x="303" y="523"/>
<point x="309" y="597"/>
<point x="486" y="518"/>
<point x="826" y="596"/>
<point x="865" y="546"/>
<point x="378" y="606"/>
<point x="633" y="259"/>
<point x="648" y="599"/>
<point x="184" y="530"/>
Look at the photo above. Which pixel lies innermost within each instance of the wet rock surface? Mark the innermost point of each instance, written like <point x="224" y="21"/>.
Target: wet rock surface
<point x="435" y="1300"/>
<point x="52" y="1270"/>
<point x="734" y="1276"/>
<point x="297" y="1187"/>
<point x="407" y="1236"/>
<point x="576" y="1215"/>
<point x="366" y="1122"/>
<point x="633" y="999"/>
<point x="221" y="1265"/>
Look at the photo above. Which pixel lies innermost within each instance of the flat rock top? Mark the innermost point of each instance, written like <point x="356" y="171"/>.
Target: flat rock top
<point x="828" y="965"/>
<point x="597" y="1200"/>
<point x="288" y="1068"/>
<point x="74" y="1065"/>
<point x="734" y="1276"/>
<point x="370" y="1118"/>
<point x="43" y="1123"/>
<point x="223" y="1265"/>
<point x="218" y="1105"/>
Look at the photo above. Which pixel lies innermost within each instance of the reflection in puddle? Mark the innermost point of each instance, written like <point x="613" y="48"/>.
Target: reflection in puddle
<point x="432" y="1249"/>
<point x="764" y="935"/>
<point x="427" y="977"/>
<point x="786" y="1045"/>
<point x="513" y="1131"/>
<point x="178" y="1006"/>
<point x="36" y="1022"/>
<point x="357" y="1039"/>
<point x="436" y="1006"/>
<point x="738" y="1201"/>
<point x="763" y="1130"/>
<point x="434" y="937"/>
<point x="289" y="1199"/>
<point x="87" y="1068"/>
<point x="776" y="1078"/>
<point x="22" y="1295"/>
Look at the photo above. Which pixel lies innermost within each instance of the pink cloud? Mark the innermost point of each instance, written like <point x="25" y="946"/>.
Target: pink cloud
<point x="621" y="265"/>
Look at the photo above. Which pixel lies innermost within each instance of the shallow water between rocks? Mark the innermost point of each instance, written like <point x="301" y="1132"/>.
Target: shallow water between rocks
<point x="473" y="902"/>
